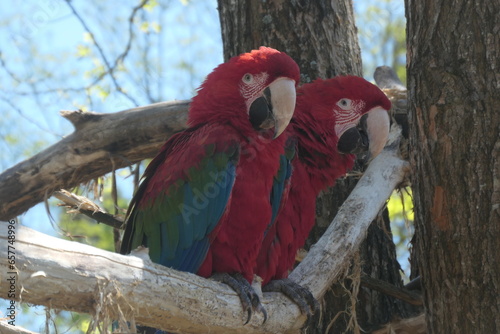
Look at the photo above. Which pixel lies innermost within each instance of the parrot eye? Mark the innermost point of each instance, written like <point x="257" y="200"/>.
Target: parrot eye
<point x="247" y="78"/>
<point x="344" y="104"/>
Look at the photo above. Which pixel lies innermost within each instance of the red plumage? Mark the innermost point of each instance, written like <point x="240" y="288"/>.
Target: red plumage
<point x="203" y="204"/>
<point x="325" y="109"/>
<point x="235" y="246"/>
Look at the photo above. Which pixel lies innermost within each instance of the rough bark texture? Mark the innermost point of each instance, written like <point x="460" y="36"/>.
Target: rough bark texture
<point x="100" y="143"/>
<point x="322" y="38"/>
<point x="319" y="35"/>
<point x="454" y="91"/>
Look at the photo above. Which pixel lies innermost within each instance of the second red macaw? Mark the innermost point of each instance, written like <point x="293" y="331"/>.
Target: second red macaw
<point x="333" y="119"/>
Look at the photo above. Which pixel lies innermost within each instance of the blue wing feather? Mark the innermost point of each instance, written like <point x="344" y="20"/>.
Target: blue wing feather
<point x="281" y="181"/>
<point x="176" y="222"/>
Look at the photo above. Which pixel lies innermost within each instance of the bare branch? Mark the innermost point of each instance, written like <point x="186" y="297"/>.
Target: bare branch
<point x="8" y="329"/>
<point x="111" y="68"/>
<point x="415" y="325"/>
<point x="26" y="117"/>
<point x="390" y="84"/>
<point x="85" y="206"/>
<point x="389" y="289"/>
<point x="10" y="73"/>
<point x="124" y="138"/>
<point x="414" y="284"/>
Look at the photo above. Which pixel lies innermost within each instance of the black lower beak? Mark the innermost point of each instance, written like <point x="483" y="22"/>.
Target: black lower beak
<point x="261" y="112"/>
<point x="354" y="140"/>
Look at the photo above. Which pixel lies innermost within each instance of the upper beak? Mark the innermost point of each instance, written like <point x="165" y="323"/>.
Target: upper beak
<point x="275" y="108"/>
<point x="371" y="133"/>
<point x="377" y="128"/>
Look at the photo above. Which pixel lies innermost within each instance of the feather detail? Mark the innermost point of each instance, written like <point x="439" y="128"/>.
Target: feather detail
<point x="184" y="194"/>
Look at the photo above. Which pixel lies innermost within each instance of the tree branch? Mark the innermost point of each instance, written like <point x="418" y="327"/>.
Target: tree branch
<point x="389" y="289"/>
<point x="124" y="137"/>
<point x="8" y="329"/>
<point x="85" y="206"/>
<point x="415" y="325"/>
<point x="91" y="279"/>
<point x="110" y="69"/>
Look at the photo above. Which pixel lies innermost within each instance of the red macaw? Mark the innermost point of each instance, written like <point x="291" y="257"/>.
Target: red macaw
<point x="325" y="131"/>
<point x="203" y="204"/>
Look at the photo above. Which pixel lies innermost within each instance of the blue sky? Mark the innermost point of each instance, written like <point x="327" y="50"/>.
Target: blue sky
<point x="39" y="45"/>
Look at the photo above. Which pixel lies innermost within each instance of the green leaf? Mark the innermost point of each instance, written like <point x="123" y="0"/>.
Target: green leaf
<point x="82" y="51"/>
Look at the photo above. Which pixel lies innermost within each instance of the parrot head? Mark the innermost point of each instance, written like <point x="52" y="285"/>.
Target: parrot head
<point x="252" y="91"/>
<point x="349" y="110"/>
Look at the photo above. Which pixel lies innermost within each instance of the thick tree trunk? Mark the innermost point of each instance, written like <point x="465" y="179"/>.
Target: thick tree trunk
<point x="453" y="76"/>
<point x="319" y="35"/>
<point x="322" y="38"/>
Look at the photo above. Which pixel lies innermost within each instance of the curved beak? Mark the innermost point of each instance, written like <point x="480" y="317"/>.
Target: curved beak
<point x="275" y="107"/>
<point x="377" y="128"/>
<point x="371" y="133"/>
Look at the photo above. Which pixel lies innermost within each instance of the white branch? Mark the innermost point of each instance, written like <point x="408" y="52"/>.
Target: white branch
<point x="72" y="276"/>
<point x="8" y="329"/>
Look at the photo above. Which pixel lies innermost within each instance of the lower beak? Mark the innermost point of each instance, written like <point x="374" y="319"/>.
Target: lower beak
<point x="275" y="108"/>
<point x="371" y="134"/>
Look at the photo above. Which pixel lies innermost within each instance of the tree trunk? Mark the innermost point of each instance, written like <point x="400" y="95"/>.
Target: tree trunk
<point x="322" y="38"/>
<point x="319" y="35"/>
<point x="453" y="75"/>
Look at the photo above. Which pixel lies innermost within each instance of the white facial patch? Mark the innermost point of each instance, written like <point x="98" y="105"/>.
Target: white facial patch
<point x="347" y="118"/>
<point x="251" y="89"/>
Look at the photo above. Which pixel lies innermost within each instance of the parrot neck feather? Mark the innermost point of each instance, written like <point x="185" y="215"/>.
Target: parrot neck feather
<point x="319" y="156"/>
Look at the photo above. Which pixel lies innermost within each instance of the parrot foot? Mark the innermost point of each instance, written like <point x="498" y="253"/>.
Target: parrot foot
<point x="298" y="294"/>
<point x="249" y="298"/>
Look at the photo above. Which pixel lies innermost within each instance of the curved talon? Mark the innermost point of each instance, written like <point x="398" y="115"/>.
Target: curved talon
<point x="298" y="294"/>
<point x="257" y="306"/>
<point x="250" y="301"/>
